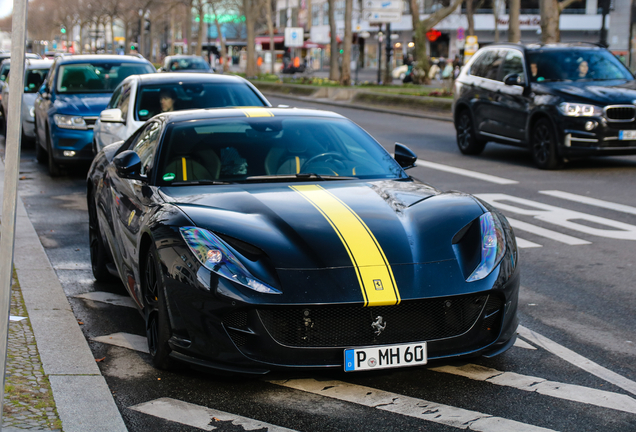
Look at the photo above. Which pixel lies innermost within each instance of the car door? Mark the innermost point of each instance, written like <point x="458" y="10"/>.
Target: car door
<point x="43" y="104"/>
<point x="131" y="200"/>
<point x="511" y="104"/>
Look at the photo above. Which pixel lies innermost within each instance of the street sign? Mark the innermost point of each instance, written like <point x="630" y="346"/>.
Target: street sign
<point x="381" y="16"/>
<point x="294" y="37"/>
<point x="389" y="5"/>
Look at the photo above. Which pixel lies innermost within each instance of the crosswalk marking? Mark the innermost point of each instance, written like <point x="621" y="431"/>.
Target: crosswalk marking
<point x="409" y="406"/>
<point x="577" y="360"/>
<point x="465" y="172"/>
<point x="520" y="343"/>
<point x="526" y="244"/>
<point x="591" y="201"/>
<point x="201" y="417"/>
<point x="542" y="386"/>
<point x="125" y="340"/>
<point x="110" y="298"/>
<point x="543" y="232"/>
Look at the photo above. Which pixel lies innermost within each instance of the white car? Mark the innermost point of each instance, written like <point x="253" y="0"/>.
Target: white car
<point x="140" y="97"/>
<point x="35" y="72"/>
<point x="400" y="72"/>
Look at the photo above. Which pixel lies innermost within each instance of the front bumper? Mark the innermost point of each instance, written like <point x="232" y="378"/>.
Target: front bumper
<point x="71" y="140"/>
<point x="602" y="140"/>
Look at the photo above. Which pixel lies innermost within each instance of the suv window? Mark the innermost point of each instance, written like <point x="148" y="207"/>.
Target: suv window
<point x="146" y="145"/>
<point x="487" y="65"/>
<point x="513" y="64"/>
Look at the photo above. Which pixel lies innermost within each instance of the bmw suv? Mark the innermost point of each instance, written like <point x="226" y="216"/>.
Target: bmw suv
<point x="561" y="101"/>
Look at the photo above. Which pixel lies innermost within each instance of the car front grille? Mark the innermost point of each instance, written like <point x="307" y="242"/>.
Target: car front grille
<point x="620" y="113"/>
<point x="346" y="326"/>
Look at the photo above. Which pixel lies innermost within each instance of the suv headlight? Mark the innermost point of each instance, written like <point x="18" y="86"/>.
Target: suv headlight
<point x="580" y="110"/>
<point x="69" y="122"/>
<point x="493" y="246"/>
<point x="217" y="257"/>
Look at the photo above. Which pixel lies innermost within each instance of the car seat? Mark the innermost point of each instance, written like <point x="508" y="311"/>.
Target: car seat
<point x="191" y="159"/>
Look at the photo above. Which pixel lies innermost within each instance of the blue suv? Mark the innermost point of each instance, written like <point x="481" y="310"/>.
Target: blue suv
<point x="78" y="88"/>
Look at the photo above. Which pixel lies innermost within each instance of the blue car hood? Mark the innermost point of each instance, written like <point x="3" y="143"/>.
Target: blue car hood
<point x="90" y="104"/>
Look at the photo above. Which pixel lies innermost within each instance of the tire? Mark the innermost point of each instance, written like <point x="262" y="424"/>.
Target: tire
<point x="99" y="254"/>
<point x="40" y="154"/>
<point x="544" y="145"/>
<point x="466" y="141"/>
<point x="54" y="168"/>
<point x="158" y="330"/>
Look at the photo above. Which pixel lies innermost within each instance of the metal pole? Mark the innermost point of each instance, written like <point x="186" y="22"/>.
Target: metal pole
<point x="388" y="78"/>
<point x="379" y="55"/>
<point x="12" y="170"/>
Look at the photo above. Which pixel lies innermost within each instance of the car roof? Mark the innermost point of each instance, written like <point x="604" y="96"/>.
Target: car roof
<point x="550" y="46"/>
<point x="38" y="64"/>
<point x="243" y="112"/>
<point x="178" y="56"/>
<point x="188" y="77"/>
<point x="108" y="58"/>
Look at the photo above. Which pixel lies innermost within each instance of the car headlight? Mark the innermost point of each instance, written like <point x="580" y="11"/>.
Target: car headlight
<point x="32" y="112"/>
<point x="493" y="246"/>
<point x="69" y="122"/>
<point x="580" y="110"/>
<point x="216" y="257"/>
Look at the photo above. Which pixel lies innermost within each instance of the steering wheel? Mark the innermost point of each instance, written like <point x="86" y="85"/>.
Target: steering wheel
<point x="326" y="156"/>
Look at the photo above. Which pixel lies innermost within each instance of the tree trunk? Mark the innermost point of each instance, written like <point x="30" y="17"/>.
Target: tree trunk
<point x="200" y="32"/>
<point x="345" y="78"/>
<point x="495" y="13"/>
<point x="141" y="48"/>
<point x="270" y="30"/>
<point x="152" y="36"/>
<point x="188" y="27"/>
<point x="81" y="47"/>
<point x="334" y="72"/>
<point x="549" y="21"/>
<point x="172" y="31"/>
<point x="126" y="25"/>
<point x="514" y="32"/>
<point x="250" y="22"/>
<point x="470" y="17"/>
<point x="112" y="35"/>
<point x="223" y="54"/>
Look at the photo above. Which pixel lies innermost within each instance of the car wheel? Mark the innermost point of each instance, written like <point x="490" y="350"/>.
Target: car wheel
<point x="99" y="255"/>
<point x="54" y="168"/>
<point x="156" y="312"/>
<point x="466" y="141"/>
<point x="544" y="149"/>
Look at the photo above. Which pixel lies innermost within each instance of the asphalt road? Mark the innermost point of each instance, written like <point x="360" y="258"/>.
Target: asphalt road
<point x="574" y="368"/>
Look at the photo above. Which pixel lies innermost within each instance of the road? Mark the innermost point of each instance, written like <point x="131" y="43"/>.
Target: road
<point x="573" y="368"/>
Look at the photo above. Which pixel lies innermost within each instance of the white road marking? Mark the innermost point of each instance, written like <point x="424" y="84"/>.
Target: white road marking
<point x="526" y="244"/>
<point x="562" y="217"/>
<point x="543" y="232"/>
<point x="542" y="386"/>
<point x="14" y="318"/>
<point x="591" y="201"/>
<point x="409" y="406"/>
<point x="465" y="173"/>
<point x="577" y="360"/>
<point x="125" y="340"/>
<point x="110" y="298"/>
<point x="520" y="343"/>
<point x="199" y="416"/>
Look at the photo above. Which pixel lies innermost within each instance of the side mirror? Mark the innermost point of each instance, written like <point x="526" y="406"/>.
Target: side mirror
<point x="404" y="156"/>
<point x="112" y="115"/>
<point x="513" y="79"/>
<point x="128" y="165"/>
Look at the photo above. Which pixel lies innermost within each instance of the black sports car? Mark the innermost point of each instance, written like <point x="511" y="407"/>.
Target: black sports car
<point x="258" y="238"/>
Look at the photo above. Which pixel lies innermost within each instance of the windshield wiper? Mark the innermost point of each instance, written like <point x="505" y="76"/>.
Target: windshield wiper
<point x="200" y="182"/>
<point x="296" y="177"/>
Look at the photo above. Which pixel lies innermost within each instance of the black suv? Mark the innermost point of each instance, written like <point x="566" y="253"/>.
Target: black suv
<point x="562" y="101"/>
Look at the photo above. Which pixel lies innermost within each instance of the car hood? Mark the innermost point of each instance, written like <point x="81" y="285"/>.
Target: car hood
<point x="410" y="223"/>
<point x="594" y="92"/>
<point x="90" y="104"/>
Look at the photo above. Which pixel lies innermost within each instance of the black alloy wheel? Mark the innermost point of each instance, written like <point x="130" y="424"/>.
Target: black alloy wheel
<point x="544" y="148"/>
<point x="466" y="141"/>
<point x="99" y="255"/>
<point x="156" y="313"/>
<point x="40" y="153"/>
<point x="54" y="168"/>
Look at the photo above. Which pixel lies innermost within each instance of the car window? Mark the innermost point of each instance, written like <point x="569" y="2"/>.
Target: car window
<point x="158" y="98"/>
<point x="34" y="79"/>
<point x="483" y="65"/>
<point x="491" y="69"/>
<point x="4" y="72"/>
<point x="237" y="148"/>
<point x="146" y="144"/>
<point x="513" y="64"/>
<point x="124" y="100"/>
<point x="114" y="99"/>
<point x="189" y="63"/>
<point x="96" y="77"/>
<point x="576" y="65"/>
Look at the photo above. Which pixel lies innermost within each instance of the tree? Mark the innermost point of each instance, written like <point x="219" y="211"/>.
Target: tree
<point x="471" y="7"/>
<point x="345" y="78"/>
<point x="514" y="32"/>
<point x="223" y="55"/>
<point x="270" y="31"/>
<point x="200" y="27"/>
<point x="420" y="71"/>
<point x="334" y="73"/>
<point x="251" y="8"/>
<point x="550" y="15"/>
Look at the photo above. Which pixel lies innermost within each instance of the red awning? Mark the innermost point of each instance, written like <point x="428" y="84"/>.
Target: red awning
<point x="265" y="39"/>
<point x="310" y="44"/>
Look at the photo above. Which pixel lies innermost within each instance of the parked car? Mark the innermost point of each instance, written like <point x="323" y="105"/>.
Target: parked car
<point x="185" y="63"/>
<point x="561" y="101"/>
<point x="140" y="97"/>
<point x="77" y="89"/>
<point x="253" y="239"/>
<point x="35" y="73"/>
<point x="5" y="66"/>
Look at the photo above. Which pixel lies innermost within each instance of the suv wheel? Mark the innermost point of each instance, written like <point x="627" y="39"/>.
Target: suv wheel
<point x="544" y="147"/>
<point x="466" y="141"/>
<point x="54" y="168"/>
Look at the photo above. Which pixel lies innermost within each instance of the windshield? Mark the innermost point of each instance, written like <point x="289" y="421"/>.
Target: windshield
<point x="260" y="149"/>
<point x="158" y="98"/>
<point x="193" y="63"/>
<point x="96" y="77"/>
<point x="34" y="79"/>
<point x="575" y="65"/>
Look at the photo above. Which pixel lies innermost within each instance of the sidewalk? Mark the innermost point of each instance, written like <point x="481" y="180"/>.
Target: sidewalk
<point x="48" y="353"/>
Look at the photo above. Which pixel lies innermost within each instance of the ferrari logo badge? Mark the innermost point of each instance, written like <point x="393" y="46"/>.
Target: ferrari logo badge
<point x="377" y="283"/>
<point x="130" y="218"/>
<point x="378" y="325"/>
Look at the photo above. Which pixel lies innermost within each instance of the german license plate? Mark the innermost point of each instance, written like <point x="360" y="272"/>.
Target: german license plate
<point x="385" y="356"/>
<point x="627" y="135"/>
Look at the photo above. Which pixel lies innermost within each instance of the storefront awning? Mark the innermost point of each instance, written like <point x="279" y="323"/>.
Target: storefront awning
<point x="265" y="39"/>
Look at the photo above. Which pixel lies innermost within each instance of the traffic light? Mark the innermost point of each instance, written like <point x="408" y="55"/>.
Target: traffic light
<point x="63" y="30"/>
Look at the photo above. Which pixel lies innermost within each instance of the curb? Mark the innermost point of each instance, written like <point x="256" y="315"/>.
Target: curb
<point x="83" y="400"/>
<point x="360" y="107"/>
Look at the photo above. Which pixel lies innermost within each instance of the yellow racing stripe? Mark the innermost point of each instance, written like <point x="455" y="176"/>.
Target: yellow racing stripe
<point x="372" y="268"/>
<point x="184" y="168"/>
<point x="257" y="112"/>
<point x="297" y="165"/>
